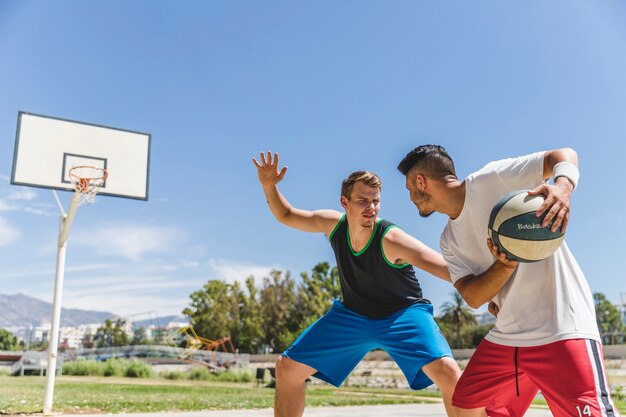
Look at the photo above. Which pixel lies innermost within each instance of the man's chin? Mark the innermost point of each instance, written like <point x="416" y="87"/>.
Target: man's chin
<point x="425" y="214"/>
<point x="368" y="222"/>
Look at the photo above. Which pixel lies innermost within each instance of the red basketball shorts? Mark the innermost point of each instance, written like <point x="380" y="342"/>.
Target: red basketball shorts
<point x="505" y="379"/>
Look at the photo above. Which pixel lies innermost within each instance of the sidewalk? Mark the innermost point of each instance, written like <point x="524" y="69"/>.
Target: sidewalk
<point x="402" y="410"/>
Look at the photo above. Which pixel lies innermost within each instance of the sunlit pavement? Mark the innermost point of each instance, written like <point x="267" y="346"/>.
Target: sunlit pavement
<point x="401" y="410"/>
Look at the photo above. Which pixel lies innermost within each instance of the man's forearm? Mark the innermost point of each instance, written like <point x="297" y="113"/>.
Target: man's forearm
<point x="278" y="204"/>
<point x="479" y="289"/>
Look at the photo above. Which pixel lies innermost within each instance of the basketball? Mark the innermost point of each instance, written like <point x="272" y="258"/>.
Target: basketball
<point x="517" y="231"/>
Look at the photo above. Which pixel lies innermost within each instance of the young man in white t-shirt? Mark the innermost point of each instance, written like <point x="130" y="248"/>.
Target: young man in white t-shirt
<point x="545" y="337"/>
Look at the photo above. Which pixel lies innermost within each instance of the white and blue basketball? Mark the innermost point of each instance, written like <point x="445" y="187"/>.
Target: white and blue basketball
<point x="515" y="228"/>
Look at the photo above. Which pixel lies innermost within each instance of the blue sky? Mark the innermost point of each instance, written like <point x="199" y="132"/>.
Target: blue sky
<point x="334" y="87"/>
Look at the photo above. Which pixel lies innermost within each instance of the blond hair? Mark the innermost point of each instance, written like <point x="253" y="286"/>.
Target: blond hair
<point x="368" y="178"/>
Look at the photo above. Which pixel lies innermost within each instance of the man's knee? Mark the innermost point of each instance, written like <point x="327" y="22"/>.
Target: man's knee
<point x="288" y="369"/>
<point x="445" y="372"/>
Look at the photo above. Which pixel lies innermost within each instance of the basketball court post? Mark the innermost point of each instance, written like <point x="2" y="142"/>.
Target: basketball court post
<point x="61" y="154"/>
<point x="65" y="223"/>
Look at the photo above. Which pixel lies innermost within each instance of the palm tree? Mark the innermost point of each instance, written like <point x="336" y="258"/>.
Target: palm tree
<point x="457" y="314"/>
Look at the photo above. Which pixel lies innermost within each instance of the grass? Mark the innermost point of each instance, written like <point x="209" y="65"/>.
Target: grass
<point x="125" y="395"/>
<point x="87" y="394"/>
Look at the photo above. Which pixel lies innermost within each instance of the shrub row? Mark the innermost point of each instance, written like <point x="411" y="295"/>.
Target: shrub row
<point x="204" y="374"/>
<point x="113" y="367"/>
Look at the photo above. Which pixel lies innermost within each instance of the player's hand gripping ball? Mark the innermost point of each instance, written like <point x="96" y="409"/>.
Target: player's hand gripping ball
<point x="515" y="228"/>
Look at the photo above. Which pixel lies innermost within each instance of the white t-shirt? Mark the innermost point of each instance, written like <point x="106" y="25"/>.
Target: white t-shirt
<point x="543" y="301"/>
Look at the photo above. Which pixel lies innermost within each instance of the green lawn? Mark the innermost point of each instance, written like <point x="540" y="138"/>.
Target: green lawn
<point x="117" y="395"/>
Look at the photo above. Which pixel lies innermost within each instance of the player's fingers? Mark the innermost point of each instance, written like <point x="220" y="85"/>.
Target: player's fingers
<point x="269" y="158"/>
<point x="282" y="173"/>
<point x="558" y="220"/>
<point x="551" y="214"/>
<point x="492" y="248"/>
<point x="276" y="159"/>
<point x="545" y="206"/>
<point x="263" y="158"/>
<point x="256" y="163"/>
<point x="541" y="189"/>
<point x="565" y="222"/>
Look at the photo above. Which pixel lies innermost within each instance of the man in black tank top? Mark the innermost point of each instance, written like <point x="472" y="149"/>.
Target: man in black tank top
<point x="382" y="303"/>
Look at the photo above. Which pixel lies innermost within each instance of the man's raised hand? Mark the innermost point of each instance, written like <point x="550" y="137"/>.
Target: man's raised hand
<point x="268" y="169"/>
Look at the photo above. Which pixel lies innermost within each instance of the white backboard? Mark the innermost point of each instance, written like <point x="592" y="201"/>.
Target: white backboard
<point x="46" y="148"/>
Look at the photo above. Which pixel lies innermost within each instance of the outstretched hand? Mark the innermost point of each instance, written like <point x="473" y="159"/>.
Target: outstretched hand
<point x="557" y="203"/>
<point x="268" y="169"/>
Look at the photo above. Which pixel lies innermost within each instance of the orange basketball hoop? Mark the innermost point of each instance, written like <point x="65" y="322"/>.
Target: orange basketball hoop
<point x="87" y="181"/>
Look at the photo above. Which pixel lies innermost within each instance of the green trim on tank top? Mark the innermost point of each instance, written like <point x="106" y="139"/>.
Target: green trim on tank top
<point x="330" y="236"/>
<point x="369" y="241"/>
<point x="383" y="251"/>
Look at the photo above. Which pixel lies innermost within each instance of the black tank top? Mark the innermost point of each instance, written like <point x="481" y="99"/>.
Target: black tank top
<point x="370" y="284"/>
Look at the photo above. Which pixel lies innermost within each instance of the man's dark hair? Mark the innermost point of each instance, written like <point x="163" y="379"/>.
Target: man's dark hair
<point x="433" y="160"/>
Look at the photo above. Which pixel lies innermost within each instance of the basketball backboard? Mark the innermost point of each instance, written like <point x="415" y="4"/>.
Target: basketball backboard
<point x="46" y="148"/>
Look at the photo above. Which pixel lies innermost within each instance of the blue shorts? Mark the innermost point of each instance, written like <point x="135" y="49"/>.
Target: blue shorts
<point x="338" y="341"/>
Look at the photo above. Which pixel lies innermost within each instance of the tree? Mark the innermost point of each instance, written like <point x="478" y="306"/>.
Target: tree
<point x="473" y="335"/>
<point x="111" y="335"/>
<point x="251" y="338"/>
<point x="316" y="293"/>
<point x="140" y="337"/>
<point x="277" y="304"/>
<point x="215" y="311"/>
<point x="7" y="340"/>
<point x="609" y="320"/>
<point x="457" y="315"/>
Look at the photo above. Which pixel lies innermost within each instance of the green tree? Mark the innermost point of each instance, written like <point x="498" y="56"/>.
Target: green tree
<point x="609" y="320"/>
<point x="140" y="337"/>
<point x="111" y="335"/>
<point x="316" y="293"/>
<point x="473" y="335"/>
<point x="236" y="298"/>
<point x="278" y="306"/>
<point x="251" y="338"/>
<point x="8" y="341"/>
<point x="215" y="311"/>
<point x="456" y="315"/>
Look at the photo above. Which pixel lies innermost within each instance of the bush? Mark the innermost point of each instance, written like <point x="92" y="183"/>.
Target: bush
<point x="236" y="375"/>
<point x="112" y="367"/>
<point x="138" y="369"/>
<point x="83" y="368"/>
<point x="205" y="374"/>
<point x="199" y="374"/>
<point x="173" y="375"/>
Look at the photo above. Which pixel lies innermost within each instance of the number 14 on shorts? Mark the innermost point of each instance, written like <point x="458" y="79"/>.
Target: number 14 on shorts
<point x="585" y="411"/>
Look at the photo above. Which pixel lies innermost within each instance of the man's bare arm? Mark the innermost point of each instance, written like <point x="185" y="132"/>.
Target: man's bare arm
<point x="399" y="247"/>
<point x="322" y="221"/>
<point x="476" y="290"/>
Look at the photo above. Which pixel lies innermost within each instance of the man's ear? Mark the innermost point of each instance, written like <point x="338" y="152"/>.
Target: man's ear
<point x="420" y="181"/>
<point x="344" y="202"/>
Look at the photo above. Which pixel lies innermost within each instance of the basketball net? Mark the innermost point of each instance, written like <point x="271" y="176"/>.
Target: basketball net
<point x="87" y="182"/>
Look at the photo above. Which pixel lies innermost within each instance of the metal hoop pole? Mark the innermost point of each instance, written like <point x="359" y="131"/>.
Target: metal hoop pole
<point x="64" y="230"/>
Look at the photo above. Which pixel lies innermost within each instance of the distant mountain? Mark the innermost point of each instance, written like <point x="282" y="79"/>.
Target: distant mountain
<point x="20" y="310"/>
